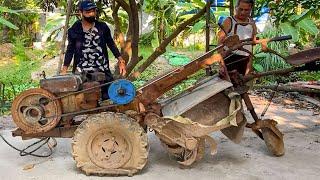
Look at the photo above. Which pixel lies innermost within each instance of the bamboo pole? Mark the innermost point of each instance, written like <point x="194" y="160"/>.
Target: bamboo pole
<point x="208" y="17"/>
<point x="231" y="8"/>
<point x="65" y="30"/>
<point x="208" y="25"/>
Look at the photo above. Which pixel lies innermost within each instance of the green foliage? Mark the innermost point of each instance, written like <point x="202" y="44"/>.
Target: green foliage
<point x="51" y="50"/>
<point x="19" y="50"/>
<point x="309" y="76"/>
<point x="267" y="61"/>
<point x="176" y="59"/>
<point x="317" y="41"/>
<point x="285" y="10"/>
<point x="305" y="26"/>
<point x="5" y="22"/>
<point x="146" y="39"/>
<point x="150" y="72"/>
<point x="25" y="20"/>
<point x="186" y="84"/>
<point x="198" y="26"/>
<point x="258" y="67"/>
<point x="168" y="15"/>
<point x="55" y="25"/>
<point x="17" y="78"/>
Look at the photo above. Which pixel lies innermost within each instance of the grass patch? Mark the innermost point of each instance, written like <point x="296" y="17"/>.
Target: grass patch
<point x="15" y="78"/>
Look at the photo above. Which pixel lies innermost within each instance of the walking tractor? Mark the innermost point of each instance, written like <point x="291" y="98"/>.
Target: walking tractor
<point x="112" y="138"/>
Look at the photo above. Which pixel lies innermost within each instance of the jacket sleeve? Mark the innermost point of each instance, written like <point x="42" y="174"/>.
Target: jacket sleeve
<point x="70" y="50"/>
<point x="111" y="44"/>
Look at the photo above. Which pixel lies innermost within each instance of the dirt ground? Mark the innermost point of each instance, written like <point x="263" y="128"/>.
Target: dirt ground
<point x="247" y="160"/>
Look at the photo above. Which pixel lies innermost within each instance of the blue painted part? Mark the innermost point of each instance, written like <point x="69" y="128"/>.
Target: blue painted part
<point x="215" y="3"/>
<point x="265" y="10"/>
<point x="122" y="92"/>
<point x="220" y="2"/>
<point x="221" y="19"/>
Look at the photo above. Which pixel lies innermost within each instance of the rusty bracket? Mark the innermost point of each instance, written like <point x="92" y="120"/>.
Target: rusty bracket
<point x="157" y="123"/>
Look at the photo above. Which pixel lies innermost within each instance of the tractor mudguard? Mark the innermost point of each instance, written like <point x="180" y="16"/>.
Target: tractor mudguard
<point x="210" y="106"/>
<point x="183" y="102"/>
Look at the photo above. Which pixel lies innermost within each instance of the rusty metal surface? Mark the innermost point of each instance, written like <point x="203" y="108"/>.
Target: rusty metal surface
<point x="156" y="88"/>
<point x="30" y="106"/>
<point x="304" y="57"/>
<point x="183" y="136"/>
<point x="174" y="139"/>
<point x="185" y="101"/>
<point x="96" y="76"/>
<point x="59" y="132"/>
<point x="91" y="97"/>
<point x="81" y="101"/>
<point x="210" y="111"/>
<point x="59" y="84"/>
<point x="271" y="135"/>
<point x="71" y="103"/>
<point x="214" y="109"/>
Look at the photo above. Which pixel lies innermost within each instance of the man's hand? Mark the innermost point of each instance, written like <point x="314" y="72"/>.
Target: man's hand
<point x="122" y="66"/>
<point x="64" y="70"/>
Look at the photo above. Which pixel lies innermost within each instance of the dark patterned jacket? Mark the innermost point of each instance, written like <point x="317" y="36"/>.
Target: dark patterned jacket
<point x="76" y="39"/>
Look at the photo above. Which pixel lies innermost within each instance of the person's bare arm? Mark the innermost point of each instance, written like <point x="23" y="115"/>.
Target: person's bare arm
<point x="249" y="68"/>
<point x="226" y="26"/>
<point x="222" y="35"/>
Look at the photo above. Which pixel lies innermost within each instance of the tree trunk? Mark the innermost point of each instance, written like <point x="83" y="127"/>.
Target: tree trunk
<point x="5" y="30"/>
<point x="129" y="46"/>
<point x="118" y="34"/>
<point x="135" y="36"/>
<point x="63" y="43"/>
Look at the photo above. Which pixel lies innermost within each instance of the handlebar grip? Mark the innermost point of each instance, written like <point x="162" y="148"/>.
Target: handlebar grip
<point x="281" y="38"/>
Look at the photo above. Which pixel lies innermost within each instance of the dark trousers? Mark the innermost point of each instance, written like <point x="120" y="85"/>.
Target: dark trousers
<point x="237" y="62"/>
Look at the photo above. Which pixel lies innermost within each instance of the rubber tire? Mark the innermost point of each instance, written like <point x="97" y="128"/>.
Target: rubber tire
<point x="122" y="123"/>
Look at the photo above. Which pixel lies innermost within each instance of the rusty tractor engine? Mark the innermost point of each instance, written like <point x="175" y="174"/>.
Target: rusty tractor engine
<point x="34" y="104"/>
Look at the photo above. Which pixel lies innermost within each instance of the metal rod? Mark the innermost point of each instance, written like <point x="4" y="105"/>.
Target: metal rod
<point x="84" y="90"/>
<point x="250" y="107"/>
<point x="79" y="112"/>
<point x="270" y="101"/>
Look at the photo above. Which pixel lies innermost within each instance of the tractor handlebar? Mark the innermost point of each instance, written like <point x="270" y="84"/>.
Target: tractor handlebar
<point x="281" y="38"/>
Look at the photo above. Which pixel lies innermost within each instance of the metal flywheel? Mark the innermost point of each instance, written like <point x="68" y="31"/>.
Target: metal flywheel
<point x="36" y="111"/>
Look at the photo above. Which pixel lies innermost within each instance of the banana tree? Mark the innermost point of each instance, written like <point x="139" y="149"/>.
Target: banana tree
<point x="4" y="11"/>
